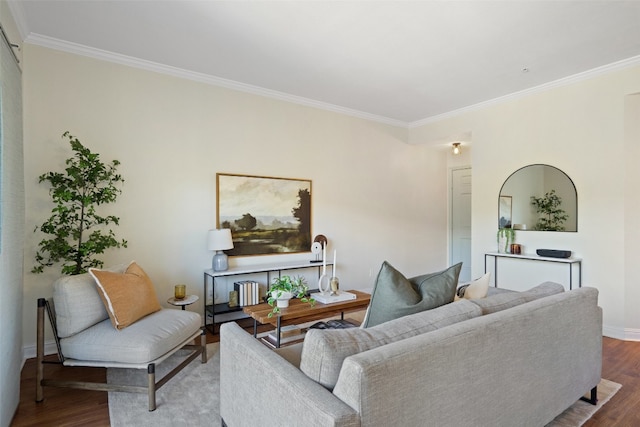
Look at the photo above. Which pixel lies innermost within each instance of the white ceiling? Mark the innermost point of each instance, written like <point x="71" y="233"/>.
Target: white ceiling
<point x="400" y="62"/>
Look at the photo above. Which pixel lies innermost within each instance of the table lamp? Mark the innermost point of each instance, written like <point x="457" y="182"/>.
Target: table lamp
<point x="220" y="240"/>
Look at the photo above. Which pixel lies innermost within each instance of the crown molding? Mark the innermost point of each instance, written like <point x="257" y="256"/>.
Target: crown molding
<point x="565" y="81"/>
<point x="104" y="55"/>
<point x="78" y="49"/>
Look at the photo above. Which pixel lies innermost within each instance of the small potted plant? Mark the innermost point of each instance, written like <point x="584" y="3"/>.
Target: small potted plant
<point x="283" y="289"/>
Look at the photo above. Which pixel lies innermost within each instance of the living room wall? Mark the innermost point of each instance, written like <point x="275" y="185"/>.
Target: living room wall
<point x="374" y="196"/>
<point x="579" y="127"/>
<point x="12" y="217"/>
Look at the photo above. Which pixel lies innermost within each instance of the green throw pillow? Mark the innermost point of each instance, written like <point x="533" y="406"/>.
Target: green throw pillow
<point x="395" y="296"/>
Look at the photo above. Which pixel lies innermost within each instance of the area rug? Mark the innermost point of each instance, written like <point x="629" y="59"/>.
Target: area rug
<point x="192" y="397"/>
<point x="578" y="413"/>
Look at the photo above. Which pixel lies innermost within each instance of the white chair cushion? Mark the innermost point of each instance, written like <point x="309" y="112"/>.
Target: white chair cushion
<point x="142" y="342"/>
<point x="77" y="303"/>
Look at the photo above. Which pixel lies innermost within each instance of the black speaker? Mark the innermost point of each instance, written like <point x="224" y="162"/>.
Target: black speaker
<point x="553" y="253"/>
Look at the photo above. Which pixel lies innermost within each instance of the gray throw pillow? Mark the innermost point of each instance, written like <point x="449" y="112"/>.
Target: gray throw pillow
<point x="395" y="296"/>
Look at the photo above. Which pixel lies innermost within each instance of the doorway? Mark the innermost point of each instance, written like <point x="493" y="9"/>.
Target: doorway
<point x="460" y="228"/>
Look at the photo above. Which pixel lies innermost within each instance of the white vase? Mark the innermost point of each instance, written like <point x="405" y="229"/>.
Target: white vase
<point x="282" y="301"/>
<point x="502" y="244"/>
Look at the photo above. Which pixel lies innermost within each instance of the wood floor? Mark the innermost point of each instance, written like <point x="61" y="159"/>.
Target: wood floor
<point x="69" y="407"/>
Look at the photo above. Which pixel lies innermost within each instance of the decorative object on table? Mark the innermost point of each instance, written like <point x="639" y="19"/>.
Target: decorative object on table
<point x="554" y="253"/>
<point x="516" y="249"/>
<point x="220" y="240"/>
<point x="182" y="303"/>
<point x="281" y="206"/>
<point x="233" y="298"/>
<point x="316" y="250"/>
<point x="505" y="238"/>
<point x="324" y="280"/>
<point x="327" y="298"/>
<point x="77" y="232"/>
<point x="334" y="283"/>
<point x="553" y="216"/>
<point x="335" y="286"/>
<point x="180" y="291"/>
<point x="283" y="289"/>
<point x="319" y="242"/>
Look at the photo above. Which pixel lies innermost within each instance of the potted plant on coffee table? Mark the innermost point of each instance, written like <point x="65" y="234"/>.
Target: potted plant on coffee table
<point x="283" y="289"/>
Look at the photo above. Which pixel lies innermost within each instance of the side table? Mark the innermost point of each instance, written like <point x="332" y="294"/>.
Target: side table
<point x="188" y="300"/>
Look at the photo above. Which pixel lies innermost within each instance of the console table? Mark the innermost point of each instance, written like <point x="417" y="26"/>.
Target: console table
<point x="267" y="269"/>
<point x="569" y="261"/>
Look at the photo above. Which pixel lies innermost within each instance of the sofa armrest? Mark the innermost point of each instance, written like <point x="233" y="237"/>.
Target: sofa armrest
<point x="257" y="384"/>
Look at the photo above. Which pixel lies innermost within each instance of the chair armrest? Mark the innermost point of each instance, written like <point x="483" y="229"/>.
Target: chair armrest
<point x="256" y="382"/>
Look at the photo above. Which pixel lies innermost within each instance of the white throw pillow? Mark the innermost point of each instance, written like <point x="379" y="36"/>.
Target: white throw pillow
<point x="476" y="289"/>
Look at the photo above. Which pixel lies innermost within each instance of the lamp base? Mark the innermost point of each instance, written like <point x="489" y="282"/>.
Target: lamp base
<point x="220" y="261"/>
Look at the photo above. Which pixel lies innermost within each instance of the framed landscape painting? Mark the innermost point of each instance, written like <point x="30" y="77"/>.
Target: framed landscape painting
<point x="266" y="215"/>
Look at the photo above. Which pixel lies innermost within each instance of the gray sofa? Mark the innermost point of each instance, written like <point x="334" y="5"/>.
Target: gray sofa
<point x="511" y="359"/>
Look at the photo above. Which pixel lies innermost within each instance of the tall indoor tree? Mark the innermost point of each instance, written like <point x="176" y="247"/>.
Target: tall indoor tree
<point x="76" y="233"/>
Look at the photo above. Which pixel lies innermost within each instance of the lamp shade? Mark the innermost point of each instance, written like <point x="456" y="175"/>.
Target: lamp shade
<point x="220" y="240"/>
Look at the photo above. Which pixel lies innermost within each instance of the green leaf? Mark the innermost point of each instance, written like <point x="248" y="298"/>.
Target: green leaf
<point x="75" y="238"/>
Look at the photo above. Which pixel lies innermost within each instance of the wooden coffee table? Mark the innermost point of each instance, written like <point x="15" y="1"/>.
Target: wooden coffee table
<point x="301" y="311"/>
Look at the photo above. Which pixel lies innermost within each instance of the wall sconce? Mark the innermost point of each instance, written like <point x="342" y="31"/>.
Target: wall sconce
<point x="456" y="148"/>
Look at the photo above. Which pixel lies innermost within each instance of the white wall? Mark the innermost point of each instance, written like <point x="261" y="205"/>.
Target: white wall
<point x="632" y="214"/>
<point x="580" y="129"/>
<point x="374" y="196"/>
<point x="12" y="229"/>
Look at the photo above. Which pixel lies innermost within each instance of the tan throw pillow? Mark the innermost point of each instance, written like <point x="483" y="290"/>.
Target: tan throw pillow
<point x="476" y="289"/>
<point x="127" y="296"/>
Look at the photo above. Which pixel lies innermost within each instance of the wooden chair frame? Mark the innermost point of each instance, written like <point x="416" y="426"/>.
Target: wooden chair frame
<point x="152" y="384"/>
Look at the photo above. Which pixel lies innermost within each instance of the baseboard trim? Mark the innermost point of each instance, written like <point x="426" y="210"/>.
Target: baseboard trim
<point x="30" y="351"/>
<point x="624" y="334"/>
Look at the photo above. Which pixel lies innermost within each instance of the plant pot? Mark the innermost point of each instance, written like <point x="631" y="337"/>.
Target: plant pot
<point x="505" y="239"/>
<point x="282" y="301"/>
<point x="503" y="244"/>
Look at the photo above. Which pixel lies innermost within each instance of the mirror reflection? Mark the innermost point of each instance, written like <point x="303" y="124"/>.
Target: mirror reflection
<point x="538" y="197"/>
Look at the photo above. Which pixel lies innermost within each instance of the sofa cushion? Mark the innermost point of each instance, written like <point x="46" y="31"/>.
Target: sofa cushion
<point x="142" y="342"/>
<point x="77" y="302"/>
<point x="396" y="296"/>
<point x="127" y="296"/>
<point x="502" y="301"/>
<point x="479" y="288"/>
<point x="324" y="351"/>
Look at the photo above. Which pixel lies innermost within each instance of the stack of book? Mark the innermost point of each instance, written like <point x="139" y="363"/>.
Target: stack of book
<point x="248" y="292"/>
<point x="288" y="335"/>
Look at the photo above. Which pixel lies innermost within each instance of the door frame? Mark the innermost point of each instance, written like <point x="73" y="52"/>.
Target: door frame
<point x="450" y="212"/>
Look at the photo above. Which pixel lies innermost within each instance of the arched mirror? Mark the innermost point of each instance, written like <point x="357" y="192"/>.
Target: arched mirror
<point x="538" y="197"/>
